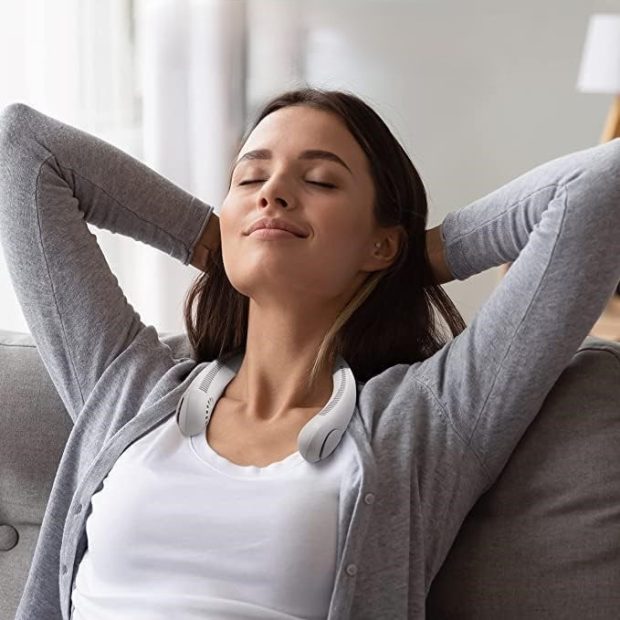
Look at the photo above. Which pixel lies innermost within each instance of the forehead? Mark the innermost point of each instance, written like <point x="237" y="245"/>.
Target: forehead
<point x="295" y="128"/>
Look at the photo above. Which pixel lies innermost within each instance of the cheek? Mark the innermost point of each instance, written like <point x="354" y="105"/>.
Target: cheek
<point x="345" y="239"/>
<point x="226" y="216"/>
<point x="232" y="222"/>
<point x="337" y="257"/>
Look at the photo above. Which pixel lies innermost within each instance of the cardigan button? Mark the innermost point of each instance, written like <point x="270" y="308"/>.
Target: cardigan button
<point x="78" y="509"/>
<point x="63" y="568"/>
<point x="369" y="498"/>
<point x="8" y="537"/>
<point x="352" y="570"/>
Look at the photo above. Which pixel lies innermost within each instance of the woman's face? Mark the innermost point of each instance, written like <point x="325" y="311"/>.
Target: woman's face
<point x="327" y="264"/>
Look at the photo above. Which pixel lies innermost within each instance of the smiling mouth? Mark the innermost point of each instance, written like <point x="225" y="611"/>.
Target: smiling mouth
<point x="274" y="233"/>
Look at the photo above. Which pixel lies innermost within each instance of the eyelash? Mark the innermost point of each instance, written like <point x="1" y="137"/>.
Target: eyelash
<point x="325" y="185"/>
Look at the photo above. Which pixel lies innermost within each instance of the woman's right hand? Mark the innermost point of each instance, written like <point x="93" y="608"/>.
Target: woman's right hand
<point x="208" y="242"/>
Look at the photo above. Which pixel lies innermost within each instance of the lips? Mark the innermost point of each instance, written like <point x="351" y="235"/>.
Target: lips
<point x="274" y="233"/>
<point x="277" y="223"/>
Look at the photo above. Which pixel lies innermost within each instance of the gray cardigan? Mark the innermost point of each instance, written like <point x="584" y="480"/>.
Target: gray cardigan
<point x="431" y="436"/>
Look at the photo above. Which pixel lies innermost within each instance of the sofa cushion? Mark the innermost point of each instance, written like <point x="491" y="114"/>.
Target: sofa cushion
<point x="544" y="541"/>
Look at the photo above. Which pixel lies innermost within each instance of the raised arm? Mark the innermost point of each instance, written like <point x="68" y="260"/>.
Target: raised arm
<point x="560" y="225"/>
<point x="54" y="179"/>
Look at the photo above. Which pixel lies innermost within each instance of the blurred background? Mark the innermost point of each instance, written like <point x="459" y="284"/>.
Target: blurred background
<point x="477" y="92"/>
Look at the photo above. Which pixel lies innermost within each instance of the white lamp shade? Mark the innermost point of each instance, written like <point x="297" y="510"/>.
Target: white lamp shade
<point x="600" y="61"/>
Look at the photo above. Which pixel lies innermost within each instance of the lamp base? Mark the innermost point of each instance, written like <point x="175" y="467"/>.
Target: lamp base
<point x="612" y="124"/>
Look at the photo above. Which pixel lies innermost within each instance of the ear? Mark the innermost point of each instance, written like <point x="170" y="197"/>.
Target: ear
<point x="384" y="248"/>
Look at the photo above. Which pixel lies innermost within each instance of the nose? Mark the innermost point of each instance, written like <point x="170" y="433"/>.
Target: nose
<point x="275" y="192"/>
<point x="277" y="200"/>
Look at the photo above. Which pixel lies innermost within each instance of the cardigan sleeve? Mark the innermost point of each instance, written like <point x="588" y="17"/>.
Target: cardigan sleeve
<point x="54" y="179"/>
<point x="560" y="224"/>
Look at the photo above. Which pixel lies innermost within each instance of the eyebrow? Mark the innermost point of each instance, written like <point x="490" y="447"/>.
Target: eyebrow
<point x="308" y="154"/>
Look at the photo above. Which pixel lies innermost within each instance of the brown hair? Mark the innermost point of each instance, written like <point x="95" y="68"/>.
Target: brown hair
<point x="390" y="319"/>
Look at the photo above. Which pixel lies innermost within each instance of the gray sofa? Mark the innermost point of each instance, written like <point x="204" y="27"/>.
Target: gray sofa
<point x="543" y="542"/>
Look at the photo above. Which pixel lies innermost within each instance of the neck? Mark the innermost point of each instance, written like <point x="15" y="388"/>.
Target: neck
<point x="272" y="381"/>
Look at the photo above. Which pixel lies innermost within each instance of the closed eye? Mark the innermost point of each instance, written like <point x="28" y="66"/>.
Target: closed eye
<point x="327" y="185"/>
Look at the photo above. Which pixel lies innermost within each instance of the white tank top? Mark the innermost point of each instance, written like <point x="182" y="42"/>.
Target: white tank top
<point x="179" y="531"/>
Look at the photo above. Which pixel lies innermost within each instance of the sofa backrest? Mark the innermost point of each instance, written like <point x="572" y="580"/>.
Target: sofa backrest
<point x="34" y="427"/>
<point x="542" y="542"/>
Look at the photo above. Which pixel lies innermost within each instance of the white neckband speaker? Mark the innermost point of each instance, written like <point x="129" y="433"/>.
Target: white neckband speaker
<point x="317" y="439"/>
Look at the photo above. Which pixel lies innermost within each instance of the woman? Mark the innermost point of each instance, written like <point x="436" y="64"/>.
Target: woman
<point x="146" y="522"/>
